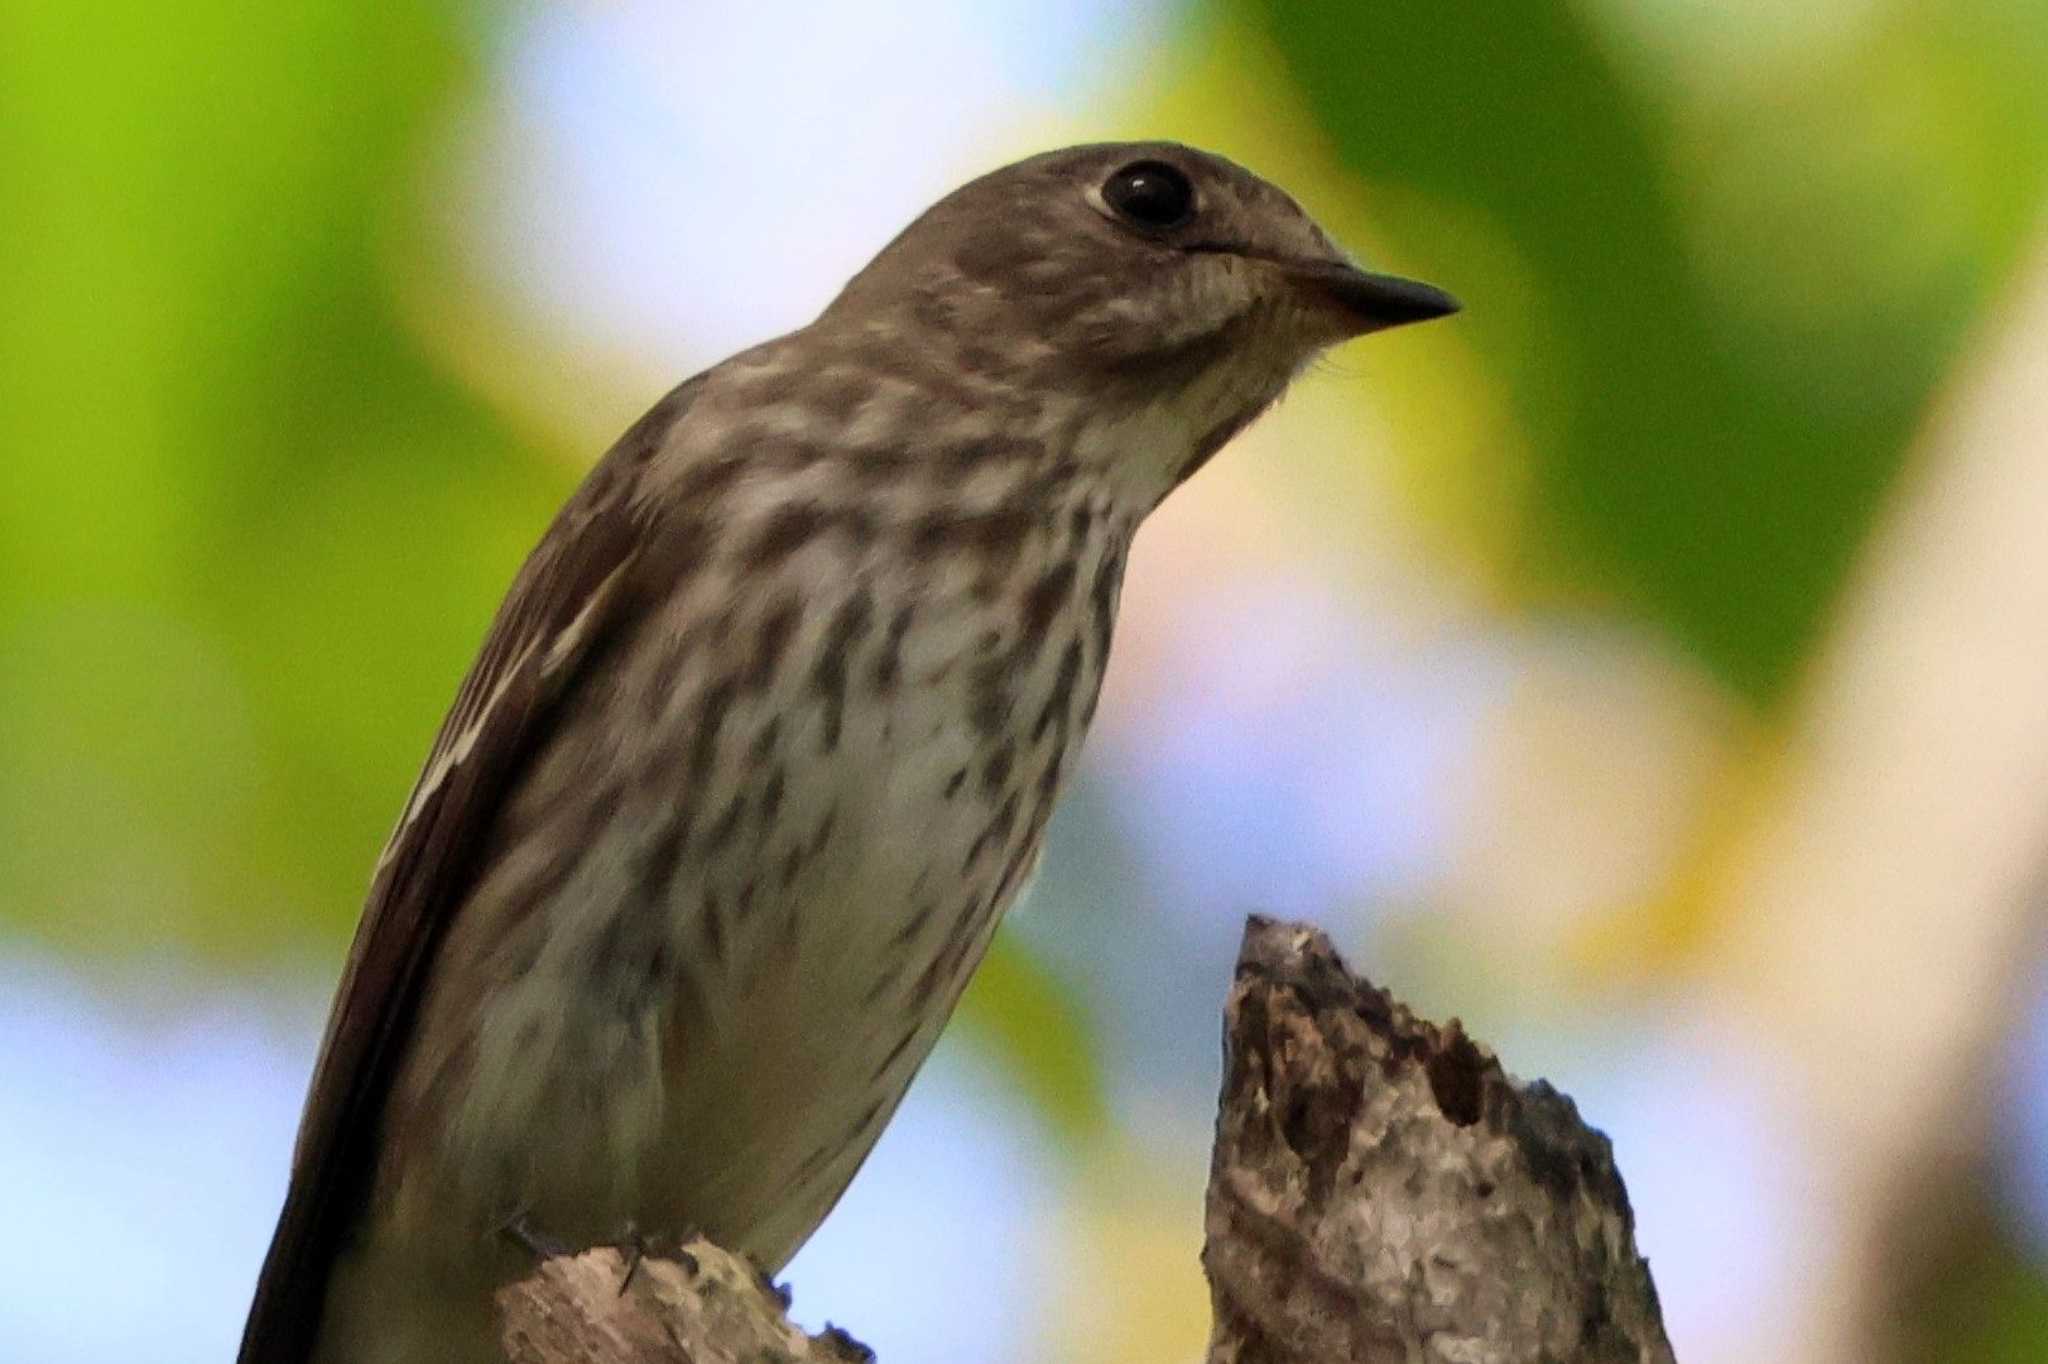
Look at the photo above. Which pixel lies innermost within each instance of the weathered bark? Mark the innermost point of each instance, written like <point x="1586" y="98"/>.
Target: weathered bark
<point x="697" y="1305"/>
<point x="1381" y="1191"/>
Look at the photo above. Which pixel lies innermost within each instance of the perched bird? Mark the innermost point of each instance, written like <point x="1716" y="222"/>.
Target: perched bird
<point x="764" y="739"/>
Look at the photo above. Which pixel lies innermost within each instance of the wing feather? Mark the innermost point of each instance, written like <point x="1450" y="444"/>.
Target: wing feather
<point x="574" y="596"/>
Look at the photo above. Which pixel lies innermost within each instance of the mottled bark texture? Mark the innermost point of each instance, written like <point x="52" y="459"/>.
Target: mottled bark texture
<point x="696" y="1305"/>
<point x="1381" y="1191"/>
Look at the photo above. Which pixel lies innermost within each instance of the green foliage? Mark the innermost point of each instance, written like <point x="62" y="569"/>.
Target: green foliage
<point x="1721" y="308"/>
<point x="1974" y="1295"/>
<point x="1035" y="1026"/>
<point x="243" y="509"/>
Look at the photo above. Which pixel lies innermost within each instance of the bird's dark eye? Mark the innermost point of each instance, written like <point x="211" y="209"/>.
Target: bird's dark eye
<point x="1151" y="195"/>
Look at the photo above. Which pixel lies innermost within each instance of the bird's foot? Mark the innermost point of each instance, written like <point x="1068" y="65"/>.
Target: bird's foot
<point x="636" y="1247"/>
<point x="519" y="1229"/>
<point x="632" y="1245"/>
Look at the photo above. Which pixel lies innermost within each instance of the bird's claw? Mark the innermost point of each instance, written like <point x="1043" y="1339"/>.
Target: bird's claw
<point x="637" y="1248"/>
<point x="634" y="1246"/>
<point x="537" y="1243"/>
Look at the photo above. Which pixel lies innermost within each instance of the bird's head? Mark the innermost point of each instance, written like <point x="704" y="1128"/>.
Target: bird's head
<point x="1133" y="276"/>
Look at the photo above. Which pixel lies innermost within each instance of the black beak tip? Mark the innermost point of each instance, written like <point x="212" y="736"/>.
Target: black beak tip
<point x="1388" y="301"/>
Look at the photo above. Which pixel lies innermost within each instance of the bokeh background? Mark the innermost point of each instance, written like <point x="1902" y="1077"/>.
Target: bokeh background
<point x="1650" y="665"/>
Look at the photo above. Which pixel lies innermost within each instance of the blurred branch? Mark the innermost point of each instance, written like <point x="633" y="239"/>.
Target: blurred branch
<point x="1381" y="1190"/>
<point x="1888" y="908"/>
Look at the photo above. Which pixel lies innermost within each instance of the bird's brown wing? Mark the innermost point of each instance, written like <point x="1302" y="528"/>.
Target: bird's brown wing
<point x="571" y="602"/>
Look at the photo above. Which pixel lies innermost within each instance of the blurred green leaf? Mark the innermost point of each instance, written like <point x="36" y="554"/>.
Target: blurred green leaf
<point x="1730" y="318"/>
<point x="1970" y="1292"/>
<point x="244" y="507"/>
<point x="1992" y="1314"/>
<point x="1021" y="1010"/>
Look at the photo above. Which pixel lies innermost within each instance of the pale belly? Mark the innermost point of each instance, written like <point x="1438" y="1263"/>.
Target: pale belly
<point x="735" y="1054"/>
<point x="738" y="1098"/>
<point x="794" y="1057"/>
<point x="719" y="1049"/>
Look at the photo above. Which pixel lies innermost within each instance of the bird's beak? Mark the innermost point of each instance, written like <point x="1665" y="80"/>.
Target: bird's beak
<point x="1371" y="302"/>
